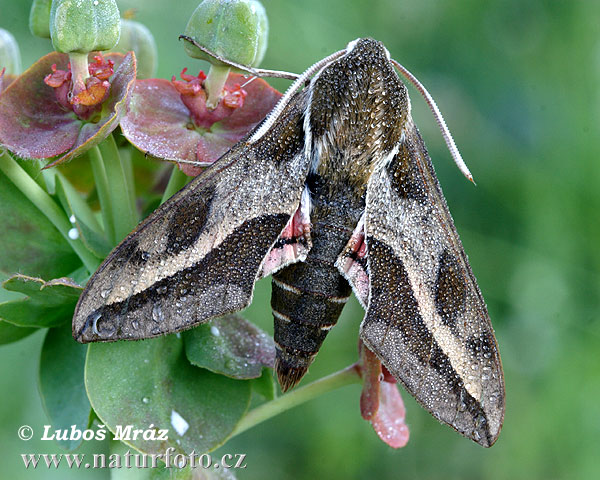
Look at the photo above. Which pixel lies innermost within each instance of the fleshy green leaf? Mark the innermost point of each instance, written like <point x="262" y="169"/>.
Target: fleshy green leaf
<point x="8" y="332"/>
<point x="264" y="385"/>
<point x="62" y="385"/>
<point x="150" y="385"/>
<point x="47" y="304"/>
<point x="231" y="346"/>
<point x="11" y="333"/>
<point x="59" y="291"/>
<point x="30" y="243"/>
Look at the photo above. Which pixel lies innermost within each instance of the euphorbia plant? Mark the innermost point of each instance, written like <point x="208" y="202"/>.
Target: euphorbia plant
<point x="67" y="107"/>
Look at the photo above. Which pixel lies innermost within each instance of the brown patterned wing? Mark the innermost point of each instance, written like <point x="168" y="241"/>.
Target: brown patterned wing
<point x="199" y="254"/>
<point x="426" y="319"/>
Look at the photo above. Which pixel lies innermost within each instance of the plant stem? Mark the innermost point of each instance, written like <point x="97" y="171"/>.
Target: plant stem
<point x="177" y="181"/>
<point x="123" y="211"/>
<point x="40" y="198"/>
<point x="101" y="182"/>
<point x="315" y="389"/>
<point x="214" y="83"/>
<point x="79" y="70"/>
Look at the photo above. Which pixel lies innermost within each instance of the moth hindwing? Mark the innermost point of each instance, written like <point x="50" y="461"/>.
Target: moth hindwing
<point x="333" y="192"/>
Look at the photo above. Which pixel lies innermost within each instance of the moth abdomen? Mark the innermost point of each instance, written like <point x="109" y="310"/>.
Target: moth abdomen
<point x="307" y="300"/>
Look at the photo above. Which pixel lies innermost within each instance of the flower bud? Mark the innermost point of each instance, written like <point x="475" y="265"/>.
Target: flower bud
<point x="135" y="36"/>
<point x="39" y="18"/>
<point x="10" y="57"/>
<point x="84" y="26"/>
<point x="234" y="29"/>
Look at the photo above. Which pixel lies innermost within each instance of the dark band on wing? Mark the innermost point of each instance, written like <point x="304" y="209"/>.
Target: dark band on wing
<point x="394" y="304"/>
<point x="188" y="219"/>
<point x="450" y="289"/>
<point x="405" y="177"/>
<point x="230" y="268"/>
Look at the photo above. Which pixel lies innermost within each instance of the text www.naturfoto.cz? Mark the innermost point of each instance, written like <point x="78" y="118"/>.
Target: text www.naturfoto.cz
<point x="133" y="460"/>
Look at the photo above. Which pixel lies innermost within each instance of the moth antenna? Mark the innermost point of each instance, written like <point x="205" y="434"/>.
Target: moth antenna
<point x="438" y="118"/>
<point x="292" y="89"/>
<point x="257" y="72"/>
<point x="250" y="80"/>
<point x="191" y="162"/>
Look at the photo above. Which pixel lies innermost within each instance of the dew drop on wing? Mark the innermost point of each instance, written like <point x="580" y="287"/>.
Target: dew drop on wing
<point x="106" y="292"/>
<point x="157" y="313"/>
<point x="94" y="319"/>
<point x="161" y="290"/>
<point x="102" y="326"/>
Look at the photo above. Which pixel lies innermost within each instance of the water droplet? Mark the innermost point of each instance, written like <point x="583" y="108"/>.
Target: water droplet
<point x="157" y="313"/>
<point x="96" y="316"/>
<point x="106" y="292"/>
<point x="230" y="364"/>
<point x="215" y="331"/>
<point x="72" y="219"/>
<point x="145" y="400"/>
<point x="73" y="234"/>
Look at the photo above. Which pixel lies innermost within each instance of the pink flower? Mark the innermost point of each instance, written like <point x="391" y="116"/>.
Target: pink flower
<point x="380" y="400"/>
<point x="170" y="120"/>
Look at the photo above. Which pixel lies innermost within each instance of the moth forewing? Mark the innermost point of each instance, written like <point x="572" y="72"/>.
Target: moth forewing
<point x="199" y="254"/>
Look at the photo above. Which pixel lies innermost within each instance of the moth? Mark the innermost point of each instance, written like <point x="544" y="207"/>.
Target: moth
<point x="333" y="192"/>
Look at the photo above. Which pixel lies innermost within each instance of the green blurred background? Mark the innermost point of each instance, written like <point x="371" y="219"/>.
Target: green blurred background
<point x="518" y="84"/>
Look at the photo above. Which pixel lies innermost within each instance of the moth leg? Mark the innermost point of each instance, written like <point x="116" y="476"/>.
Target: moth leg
<point x="352" y="263"/>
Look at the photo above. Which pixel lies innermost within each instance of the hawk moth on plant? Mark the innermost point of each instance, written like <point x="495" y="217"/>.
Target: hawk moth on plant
<point x="334" y="191"/>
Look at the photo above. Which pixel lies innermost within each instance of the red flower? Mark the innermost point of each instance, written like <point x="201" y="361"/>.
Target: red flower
<point x="36" y="111"/>
<point x="170" y="120"/>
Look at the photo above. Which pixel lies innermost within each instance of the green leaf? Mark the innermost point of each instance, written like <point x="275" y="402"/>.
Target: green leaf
<point x="62" y="385"/>
<point x="150" y="385"/>
<point x="47" y="304"/>
<point x="8" y="332"/>
<point x="231" y="346"/>
<point x="11" y="333"/>
<point x="25" y="313"/>
<point x="59" y="291"/>
<point x="30" y="243"/>
<point x="5" y="295"/>
<point x="264" y="385"/>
